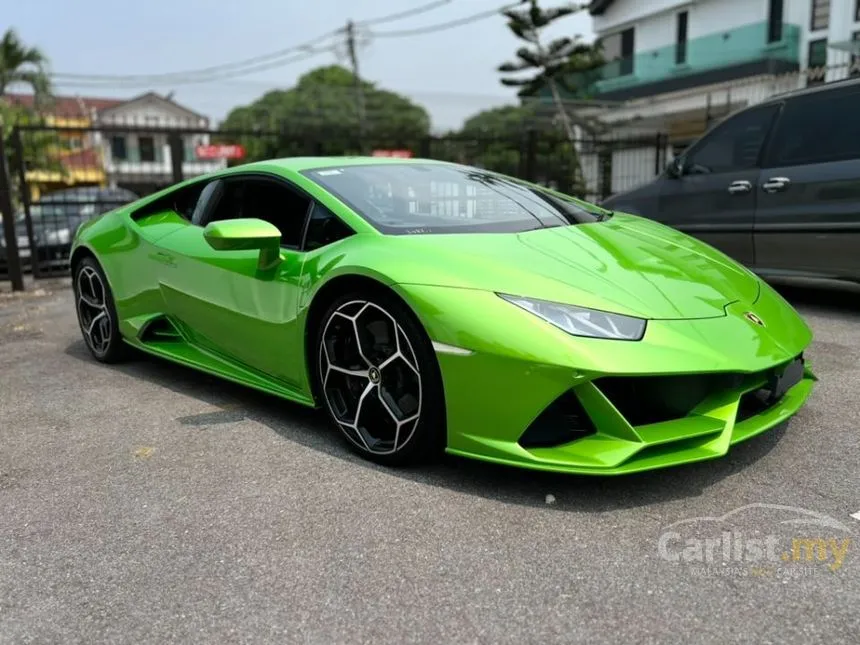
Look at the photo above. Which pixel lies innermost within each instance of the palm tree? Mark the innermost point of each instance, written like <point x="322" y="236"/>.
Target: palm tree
<point x="22" y="64"/>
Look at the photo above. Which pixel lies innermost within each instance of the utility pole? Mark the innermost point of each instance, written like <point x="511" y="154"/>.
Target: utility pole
<point x="359" y="89"/>
<point x="7" y="211"/>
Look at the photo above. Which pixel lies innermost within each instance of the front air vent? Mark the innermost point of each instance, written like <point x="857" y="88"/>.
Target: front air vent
<point x="563" y="421"/>
<point x="643" y="400"/>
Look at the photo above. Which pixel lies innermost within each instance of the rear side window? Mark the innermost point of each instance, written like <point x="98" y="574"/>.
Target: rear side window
<point x="324" y="227"/>
<point x="817" y="129"/>
<point x="733" y="145"/>
<point x="264" y="199"/>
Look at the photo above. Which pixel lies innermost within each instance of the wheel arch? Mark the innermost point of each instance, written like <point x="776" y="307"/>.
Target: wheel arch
<point x="79" y="254"/>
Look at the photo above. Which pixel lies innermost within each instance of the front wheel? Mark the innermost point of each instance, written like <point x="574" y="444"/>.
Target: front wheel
<point x="379" y="379"/>
<point x="97" y="315"/>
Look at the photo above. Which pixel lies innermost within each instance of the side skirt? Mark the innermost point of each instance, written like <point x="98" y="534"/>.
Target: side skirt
<point x="179" y="350"/>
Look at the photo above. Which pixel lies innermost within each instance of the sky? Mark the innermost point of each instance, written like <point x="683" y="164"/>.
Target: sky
<point x="451" y="73"/>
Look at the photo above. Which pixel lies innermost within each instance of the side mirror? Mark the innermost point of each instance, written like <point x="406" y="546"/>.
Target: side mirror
<point x="675" y="169"/>
<point x="245" y="234"/>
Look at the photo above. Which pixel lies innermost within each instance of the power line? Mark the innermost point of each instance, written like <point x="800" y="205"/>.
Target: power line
<point x="131" y="82"/>
<point x="304" y="47"/>
<point x="404" y="14"/>
<point x="239" y="67"/>
<point x="444" y="25"/>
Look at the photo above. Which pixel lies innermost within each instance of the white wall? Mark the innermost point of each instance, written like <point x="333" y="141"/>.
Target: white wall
<point x="655" y="32"/>
<point x="622" y="12"/>
<point x="713" y="16"/>
<point x="632" y="115"/>
<point x="842" y="27"/>
<point x="655" y="21"/>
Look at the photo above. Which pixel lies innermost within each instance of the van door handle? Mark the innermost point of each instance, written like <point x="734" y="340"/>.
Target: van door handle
<point x="740" y="187"/>
<point x="775" y="184"/>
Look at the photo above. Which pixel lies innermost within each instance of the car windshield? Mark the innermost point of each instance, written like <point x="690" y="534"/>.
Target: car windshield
<point x="416" y="199"/>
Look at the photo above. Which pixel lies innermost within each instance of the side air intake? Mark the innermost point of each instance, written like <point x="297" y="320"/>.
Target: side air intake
<point x="160" y="330"/>
<point x="563" y="421"/>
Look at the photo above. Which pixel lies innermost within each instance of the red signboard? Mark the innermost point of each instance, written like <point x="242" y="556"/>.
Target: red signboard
<point x="401" y="154"/>
<point x="220" y="151"/>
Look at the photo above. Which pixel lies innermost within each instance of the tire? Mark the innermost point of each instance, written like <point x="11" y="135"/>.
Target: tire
<point x="96" y="312"/>
<point x="378" y="378"/>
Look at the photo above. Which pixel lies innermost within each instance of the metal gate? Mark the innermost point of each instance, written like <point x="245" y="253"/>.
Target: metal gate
<point x="52" y="179"/>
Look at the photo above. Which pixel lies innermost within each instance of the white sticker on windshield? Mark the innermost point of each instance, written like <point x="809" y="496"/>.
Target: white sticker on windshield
<point x="326" y="173"/>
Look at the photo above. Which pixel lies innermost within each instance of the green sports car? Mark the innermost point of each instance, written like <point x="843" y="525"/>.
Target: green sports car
<point x="431" y="306"/>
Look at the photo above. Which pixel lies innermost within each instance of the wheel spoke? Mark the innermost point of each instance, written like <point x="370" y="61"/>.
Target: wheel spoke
<point x="391" y="358"/>
<point x="367" y="390"/>
<point x="387" y="407"/>
<point x="89" y="301"/>
<point x="93" y="322"/>
<point x="411" y="420"/>
<point x="366" y="360"/>
<point x="343" y="370"/>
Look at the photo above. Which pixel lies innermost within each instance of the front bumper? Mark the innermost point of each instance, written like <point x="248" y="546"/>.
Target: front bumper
<point x="618" y="447"/>
<point x="517" y="366"/>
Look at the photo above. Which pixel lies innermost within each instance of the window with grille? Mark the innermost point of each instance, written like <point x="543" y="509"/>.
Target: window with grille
<point x="681" y="38"/>
<point x="817" y="67"/>
<point x="774" y="21"/>
<point x="619" y="48"/>
<point x="820" y="14"/>
<point x="855" y="59"/>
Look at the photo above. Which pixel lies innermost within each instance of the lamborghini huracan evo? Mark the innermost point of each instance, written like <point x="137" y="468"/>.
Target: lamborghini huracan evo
<point x="431" y="306"/>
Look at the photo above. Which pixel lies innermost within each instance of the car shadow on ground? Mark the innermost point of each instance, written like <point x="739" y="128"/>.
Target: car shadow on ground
<point x="310" y="428"/>
<point x="834" y="298"/>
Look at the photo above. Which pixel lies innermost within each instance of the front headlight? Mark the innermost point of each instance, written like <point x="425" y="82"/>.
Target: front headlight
<point x="60" y="236"/>
<point x="579" y="321"/>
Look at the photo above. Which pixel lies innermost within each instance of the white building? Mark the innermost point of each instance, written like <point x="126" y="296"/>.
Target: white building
<point x="676" y="66"/>
<point x="140" y="160"/>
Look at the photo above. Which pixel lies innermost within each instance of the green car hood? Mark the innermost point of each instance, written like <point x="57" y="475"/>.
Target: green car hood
<point x="626" y="265"/>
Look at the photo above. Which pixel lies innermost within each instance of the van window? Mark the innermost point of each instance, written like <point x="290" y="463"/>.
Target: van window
<point x="816" y="129"/>
<point x="733" y="145"/>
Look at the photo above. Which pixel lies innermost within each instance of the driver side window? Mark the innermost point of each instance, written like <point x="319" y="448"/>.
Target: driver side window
<point x="265" y="199"/>
<point x="732" y="146"/>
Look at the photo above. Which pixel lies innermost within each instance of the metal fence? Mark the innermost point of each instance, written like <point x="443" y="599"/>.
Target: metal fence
<point x="61" y="176"/>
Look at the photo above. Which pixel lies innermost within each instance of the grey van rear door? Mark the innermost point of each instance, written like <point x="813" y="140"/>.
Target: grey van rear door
<point x="808" y="209"/>
<point x="715" y="197"/>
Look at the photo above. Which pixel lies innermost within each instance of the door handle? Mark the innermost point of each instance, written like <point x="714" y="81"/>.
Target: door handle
<point x="740" y="187"/>
<point x="775" y="184"/>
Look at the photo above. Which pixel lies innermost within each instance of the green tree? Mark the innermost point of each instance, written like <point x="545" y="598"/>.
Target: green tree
<point x="507" y="133"/>
<point x="499" y="133"/>
<point x="39" y="147"/>
<point x="20" y="64"/>
<point x="320" y="109"/>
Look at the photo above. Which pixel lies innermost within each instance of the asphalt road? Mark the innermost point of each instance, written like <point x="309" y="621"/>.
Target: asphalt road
<point x="147" y="503"/>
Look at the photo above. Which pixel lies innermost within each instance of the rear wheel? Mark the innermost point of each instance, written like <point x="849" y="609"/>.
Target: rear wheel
<point x="379" y="379"/>
<point x="97" y="314"/>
